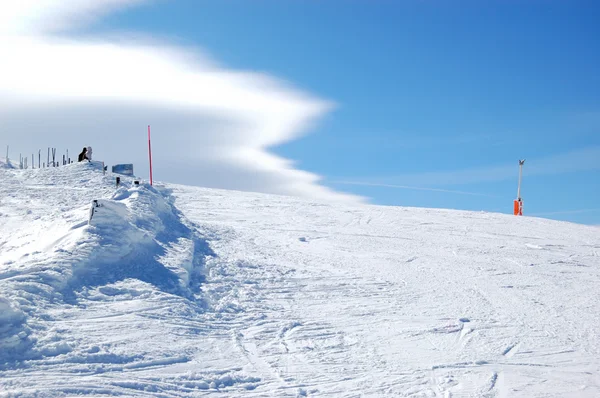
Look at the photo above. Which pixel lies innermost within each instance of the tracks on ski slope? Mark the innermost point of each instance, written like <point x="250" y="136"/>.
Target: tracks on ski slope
<point x="447" y="309"/>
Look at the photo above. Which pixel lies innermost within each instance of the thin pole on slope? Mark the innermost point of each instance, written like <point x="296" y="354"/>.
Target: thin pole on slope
<point x="150" y="154"/>
<point x="39" y="158"/>
<point x="520" y="178"/>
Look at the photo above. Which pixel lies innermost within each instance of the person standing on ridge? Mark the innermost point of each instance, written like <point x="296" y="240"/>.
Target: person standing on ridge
<point x="82" y="156"/>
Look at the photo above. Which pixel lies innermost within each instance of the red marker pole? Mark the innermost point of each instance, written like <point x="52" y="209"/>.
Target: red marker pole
<point x="150" y="154"/>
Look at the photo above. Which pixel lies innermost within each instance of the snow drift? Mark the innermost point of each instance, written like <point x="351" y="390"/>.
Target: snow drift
<point x="55" y="254"/>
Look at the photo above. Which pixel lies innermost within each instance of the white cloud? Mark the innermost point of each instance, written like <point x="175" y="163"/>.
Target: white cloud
<point x="211" y="126"/>
<point x="583" y="159"/>
<point x="414" y="188"/>
<point x="46" y="16"/>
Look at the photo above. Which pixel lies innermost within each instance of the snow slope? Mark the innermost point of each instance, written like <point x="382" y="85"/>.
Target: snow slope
<point x="176" y="291"/>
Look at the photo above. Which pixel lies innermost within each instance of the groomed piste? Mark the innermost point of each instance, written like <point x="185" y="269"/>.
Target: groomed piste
<point x="178" y="291"/>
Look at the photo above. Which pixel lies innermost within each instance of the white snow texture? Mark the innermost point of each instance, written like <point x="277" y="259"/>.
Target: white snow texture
<point x="178" y="291"/>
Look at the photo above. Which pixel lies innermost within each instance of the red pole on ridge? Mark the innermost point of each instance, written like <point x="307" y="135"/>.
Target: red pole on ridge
<point x="150" y="154"/>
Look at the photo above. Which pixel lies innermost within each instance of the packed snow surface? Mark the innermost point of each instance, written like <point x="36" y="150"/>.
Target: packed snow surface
<point x="176" y="291"/>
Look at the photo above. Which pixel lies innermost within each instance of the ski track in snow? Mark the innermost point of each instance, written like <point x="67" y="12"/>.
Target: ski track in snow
<point x="175" y="291"/>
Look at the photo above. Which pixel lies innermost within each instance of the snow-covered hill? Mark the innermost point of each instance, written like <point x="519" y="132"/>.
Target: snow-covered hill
<point x="176" y="291"/>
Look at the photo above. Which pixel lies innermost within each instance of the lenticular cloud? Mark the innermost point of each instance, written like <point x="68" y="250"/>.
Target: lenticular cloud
<point x="211" y="126"/>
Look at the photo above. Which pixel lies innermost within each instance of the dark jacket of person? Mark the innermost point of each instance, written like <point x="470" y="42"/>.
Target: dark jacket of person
<point x="82" y="155"/>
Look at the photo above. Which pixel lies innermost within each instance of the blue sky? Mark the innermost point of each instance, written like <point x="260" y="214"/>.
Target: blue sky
<point x="443" y="97"/>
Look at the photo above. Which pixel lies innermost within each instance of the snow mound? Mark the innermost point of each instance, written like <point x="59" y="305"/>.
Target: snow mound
<point x="76" y="240"/>
<point x="138" y="234"/>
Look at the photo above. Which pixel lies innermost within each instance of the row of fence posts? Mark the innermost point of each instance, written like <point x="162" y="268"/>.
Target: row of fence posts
<point x="24" y="161"/>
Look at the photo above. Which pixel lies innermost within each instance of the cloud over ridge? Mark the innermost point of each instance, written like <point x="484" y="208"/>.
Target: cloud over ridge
<point x="212" y="126"/>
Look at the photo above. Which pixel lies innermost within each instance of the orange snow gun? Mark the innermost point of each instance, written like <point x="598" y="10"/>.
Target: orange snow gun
<point x="518" y="207"/>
